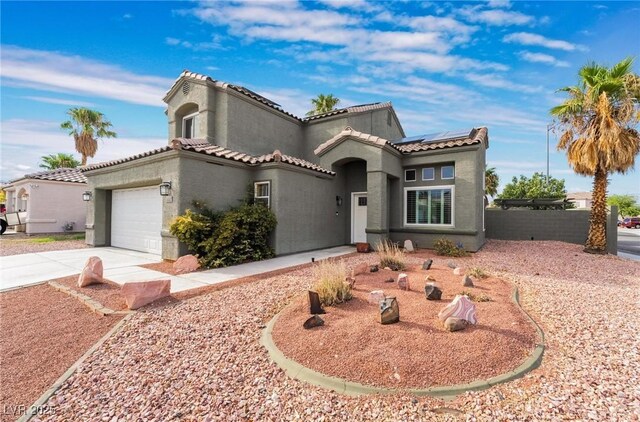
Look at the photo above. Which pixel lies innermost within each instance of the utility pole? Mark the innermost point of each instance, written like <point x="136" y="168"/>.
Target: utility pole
<point x="549" y="127"/>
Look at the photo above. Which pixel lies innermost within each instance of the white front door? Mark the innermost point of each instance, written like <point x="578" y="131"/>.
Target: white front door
<point x="136" y="219"/>
<point x="358" y="217"/>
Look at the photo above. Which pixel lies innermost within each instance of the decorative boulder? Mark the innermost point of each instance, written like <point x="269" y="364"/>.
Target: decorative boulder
<point x="363" y="247"/>
<point x="315" y="307"/>
<point x="455" y="324"/>
<point x="373" y="268"/>
<point x="426" y="265"/>
<point x="457" y="271"/>
<point x="360" y="269"/>
<point x="91" y="273"/>
<point x="452" y="265"/>
<point x="408" y="246"/>
<point x="138" y="294"/>
<point x="432" y="292"/>
<point x="460" y="307"/>
<point x="186" y="264"/>
<point x="375" y="297"/>
<point x="430" y="278"/>
<point x="389" y="280"/>
<point x="403" y="282"/>
<point x="389" y="311"/>
<point x="466" y="281"/>
<point x="314" y="321"/>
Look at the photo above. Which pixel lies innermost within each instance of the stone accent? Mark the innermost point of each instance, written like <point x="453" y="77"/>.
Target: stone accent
<point x="92" y="272"/>
<point x="427" y="264"/>
<point x="460" y="307"/>
<point x="455" y="324"/>
<point x="403" y="282"/>
<point x="467" y="282"/>
<point x="389" y="311"/>
<point x="432" y="292"/>
<point x="139" y="294"/>
<point x="186" y="264"/>
<point x="314" y="321"/>
<point x="375" y="297"/>
<point x="408" y="246"/>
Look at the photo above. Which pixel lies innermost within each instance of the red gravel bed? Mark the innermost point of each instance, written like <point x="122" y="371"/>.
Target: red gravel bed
<point x="417" y="352"/>
<point x="163" y="267"/>
<point x="107" y="293"/>
<point x="43" y="333"/>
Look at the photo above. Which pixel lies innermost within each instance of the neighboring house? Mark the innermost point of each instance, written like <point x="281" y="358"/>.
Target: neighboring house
<point x="51" y="199"/>
<point x="580" y="199"/>
<point x="346" y="176"/>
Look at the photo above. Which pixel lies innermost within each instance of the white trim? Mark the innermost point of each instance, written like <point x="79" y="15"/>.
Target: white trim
<point x="415" y="177"/>
<point x="353" y="211"/>
<point x="193" y="126"/>
<point x="263" y="182"/>
<point x="448" y="178"/>
<point x="434" y="174"/>
<point x="453" y="208"/>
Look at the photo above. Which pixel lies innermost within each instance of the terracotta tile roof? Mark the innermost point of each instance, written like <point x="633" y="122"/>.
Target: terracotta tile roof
<point x="203" y="147"/>
<point x="476" y="136"/>
<point x="579" y="195"/>
<point x="350" y="133"/>
<point x="352" y="109"/>
<point x="73" y="175"/>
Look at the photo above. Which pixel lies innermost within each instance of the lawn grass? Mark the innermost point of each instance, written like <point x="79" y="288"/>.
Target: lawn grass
<point x="57" y="238"/>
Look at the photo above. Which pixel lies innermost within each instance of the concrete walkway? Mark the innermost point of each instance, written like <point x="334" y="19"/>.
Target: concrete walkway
<point x="121" y="266"/>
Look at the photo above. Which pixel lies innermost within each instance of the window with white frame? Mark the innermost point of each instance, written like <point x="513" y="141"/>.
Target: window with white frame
<point x="428" y="173"/>
<point x="447" y="172"/>
<point x="429" y="205"/>
<point x="189" y="126"/>
<point x="410" y="175"/>
<point x="262" y="193"/>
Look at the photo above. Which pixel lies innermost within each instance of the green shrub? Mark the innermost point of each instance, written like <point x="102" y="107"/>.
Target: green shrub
<point x="391" y="256"/>
<point x="477" y="273"/>
<point x="447" y="248"/>
<point x="330" y="276"/>
<point x="192" y="229"/>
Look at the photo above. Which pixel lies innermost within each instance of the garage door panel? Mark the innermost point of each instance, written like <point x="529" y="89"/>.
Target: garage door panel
<point x="136" y="219"/>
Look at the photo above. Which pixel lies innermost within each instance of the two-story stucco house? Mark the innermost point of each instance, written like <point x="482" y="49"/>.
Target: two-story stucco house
<point x="350" y="175"/>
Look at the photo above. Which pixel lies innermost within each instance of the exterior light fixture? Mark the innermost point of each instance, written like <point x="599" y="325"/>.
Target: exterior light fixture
<point x="165" y="188"/>
<point x="338" y="200"/>
<point x="86" y="196"/>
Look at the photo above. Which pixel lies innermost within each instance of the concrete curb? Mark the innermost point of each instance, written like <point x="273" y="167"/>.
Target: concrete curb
<point x="90" y="303"/>
<point x="40" y="403"/>
<point x="342" y="386"/>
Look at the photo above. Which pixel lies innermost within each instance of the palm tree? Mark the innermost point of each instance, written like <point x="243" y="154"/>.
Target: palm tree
<point x="491" y="182"/>
<point x="323" y="104"/>
<point x="59" y="160"/>
<point x="598" y="124"/>
<point x="87" y="126"/>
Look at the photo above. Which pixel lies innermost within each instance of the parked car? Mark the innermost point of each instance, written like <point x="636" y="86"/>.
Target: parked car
<point x="632" y="222"/>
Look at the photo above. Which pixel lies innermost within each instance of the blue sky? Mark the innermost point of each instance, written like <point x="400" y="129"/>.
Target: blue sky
<point x="444" y="65"/>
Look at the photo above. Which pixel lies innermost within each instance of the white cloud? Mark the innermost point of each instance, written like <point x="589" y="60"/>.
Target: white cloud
<point x="214" y="44"/>
<point x="493" y="80"/>
<point x="527" y="38"/>
<point x="50" y="71"/>
<point x="499" y="3"/>
<point x="542" y="58"/>
<point x="460" y="32"/>
<point x="61" y="101"/>
<point x="496" y="17"/>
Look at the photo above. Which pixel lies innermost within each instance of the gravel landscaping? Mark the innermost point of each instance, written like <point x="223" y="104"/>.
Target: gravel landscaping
<point x="17" y="244"/>
<point x="43" y="333"/>
<point x="107" y="293"/>
<point x="200" y="359"/>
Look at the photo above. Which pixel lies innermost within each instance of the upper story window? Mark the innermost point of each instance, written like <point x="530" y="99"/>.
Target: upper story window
<point x="189" y="123"/>
<point x="428" y="173"/>
<point x="262" y="193"/>
<point x="447" y="172"/>
<point x="410" y="175"/>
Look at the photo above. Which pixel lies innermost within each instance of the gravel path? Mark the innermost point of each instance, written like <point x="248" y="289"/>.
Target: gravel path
<point x="201" y="359"/>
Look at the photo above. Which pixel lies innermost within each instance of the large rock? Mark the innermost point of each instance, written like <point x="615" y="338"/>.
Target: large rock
<point x="403" y="282"/>
<point x="389" y="311"/>
<point x="375" y="297"/>
<point x="432" y="292"/>
<point x="452" y="265"/>
<point x="92" y="272"/>
<point x="460" y="307"/>
<point x="314" y="321"/>
<point x="373" y="268"/>
<point x="138" y="294"/>
<point x="363" y="247"/>
<point x="426" y="265"/>
<point x="430" y="278"/>
<point x="466" y="281"/>
<point x="455" y="324"/>
<point x="186" y="264"/>
<point x="408" y="246"/>
<point x="315" y="307"/>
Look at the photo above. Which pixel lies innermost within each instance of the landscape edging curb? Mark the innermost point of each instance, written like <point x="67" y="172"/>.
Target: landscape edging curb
<point x="64" y="377"/>
<point x="297" y="371"/>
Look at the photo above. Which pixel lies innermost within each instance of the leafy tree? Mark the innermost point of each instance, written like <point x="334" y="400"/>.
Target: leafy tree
<point x="627" y="205"/>
<point x="323" y="104"/>
<point x="59" y="160"/>
<point x="534" y="188"/>
<point x="87" y="126"/>
<point x="598" y="123"/>
<point x="491" y="182"/>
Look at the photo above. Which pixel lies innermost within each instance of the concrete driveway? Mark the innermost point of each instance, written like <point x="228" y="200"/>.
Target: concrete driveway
<point x="121" y="266"/>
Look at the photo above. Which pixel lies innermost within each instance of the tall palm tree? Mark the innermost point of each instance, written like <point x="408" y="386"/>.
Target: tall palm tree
<point x="59" y="160"/>
<point x="491" y="182"/>
<point x="599" y="121"/>
<point x="323" y="104"/>
<point x="87" y="126"/>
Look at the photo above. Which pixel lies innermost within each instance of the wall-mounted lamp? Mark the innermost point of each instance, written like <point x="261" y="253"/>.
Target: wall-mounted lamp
<point x="86" y="196"/>
<point x="338" y="200"/>
<point x="165" y="188"/>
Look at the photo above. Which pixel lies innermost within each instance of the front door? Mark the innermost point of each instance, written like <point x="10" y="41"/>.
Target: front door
<point x="358" y="217"/>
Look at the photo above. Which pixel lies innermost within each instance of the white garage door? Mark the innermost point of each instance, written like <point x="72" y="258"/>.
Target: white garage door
<point x="136" y="219"/>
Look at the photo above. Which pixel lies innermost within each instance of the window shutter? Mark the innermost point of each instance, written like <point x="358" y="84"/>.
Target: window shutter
<point x="411" y="207"/>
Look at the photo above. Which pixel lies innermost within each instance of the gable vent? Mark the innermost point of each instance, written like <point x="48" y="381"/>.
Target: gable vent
<point x="185" y="88"/>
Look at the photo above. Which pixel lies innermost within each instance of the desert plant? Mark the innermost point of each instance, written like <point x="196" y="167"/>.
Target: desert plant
<point x="391" y="255"/>
<point x="330" y="276"/>
<point x="477" y="273"/>
<point x="480" y="298"/>
<point x="446" y="247"/>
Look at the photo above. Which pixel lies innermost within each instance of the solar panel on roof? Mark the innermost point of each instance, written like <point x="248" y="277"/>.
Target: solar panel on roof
<point x="433" y="137"/>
